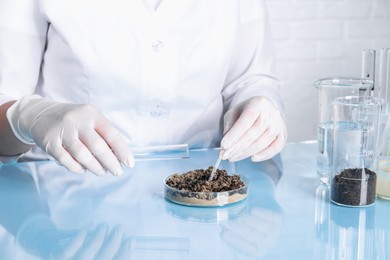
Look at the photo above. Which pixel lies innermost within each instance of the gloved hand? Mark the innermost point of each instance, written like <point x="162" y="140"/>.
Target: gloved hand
<point x="254" y="128"/>
<point x="79" y="137"/>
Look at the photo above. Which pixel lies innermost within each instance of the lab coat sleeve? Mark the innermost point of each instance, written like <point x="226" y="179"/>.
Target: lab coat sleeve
<point x="252" y="67"/>
<point x="22" y="42"/>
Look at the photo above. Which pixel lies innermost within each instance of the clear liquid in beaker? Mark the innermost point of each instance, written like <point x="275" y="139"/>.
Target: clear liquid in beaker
<point x="351" y="138"/>
<point x="324" y="153"/>
<point x="351" y="150"/>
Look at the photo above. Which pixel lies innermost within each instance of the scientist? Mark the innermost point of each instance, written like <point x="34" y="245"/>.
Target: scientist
<point x="82" y="81"/>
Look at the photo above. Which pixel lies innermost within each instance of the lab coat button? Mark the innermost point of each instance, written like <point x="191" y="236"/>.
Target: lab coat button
<point x="156" y="112"/>
<point x="157" y="45"/>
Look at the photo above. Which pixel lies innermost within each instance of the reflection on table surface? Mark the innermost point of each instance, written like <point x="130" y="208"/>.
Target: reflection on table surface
<point x="49" y="213"/>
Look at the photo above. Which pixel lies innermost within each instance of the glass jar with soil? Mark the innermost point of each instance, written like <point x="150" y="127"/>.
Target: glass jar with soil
<point x="355" y="135"/>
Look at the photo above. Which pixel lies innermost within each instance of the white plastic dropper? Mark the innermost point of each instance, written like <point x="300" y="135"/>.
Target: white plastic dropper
<point x="216" y="166"/>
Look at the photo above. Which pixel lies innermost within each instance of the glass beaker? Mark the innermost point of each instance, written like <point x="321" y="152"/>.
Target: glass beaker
<point x="328" y="90"/>
<point x="356" y="123"/>
<point x="383" y="182"/>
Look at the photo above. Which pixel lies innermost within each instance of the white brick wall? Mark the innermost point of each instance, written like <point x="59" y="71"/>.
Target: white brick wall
<point x="322" y="38"/>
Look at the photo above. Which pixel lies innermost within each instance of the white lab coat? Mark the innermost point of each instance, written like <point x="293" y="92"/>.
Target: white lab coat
<point x="162" y="76"/>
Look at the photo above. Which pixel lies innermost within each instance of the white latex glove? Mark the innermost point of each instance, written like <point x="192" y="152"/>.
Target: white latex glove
<point x="254" y="128"/>
<point x="79" y="137"/>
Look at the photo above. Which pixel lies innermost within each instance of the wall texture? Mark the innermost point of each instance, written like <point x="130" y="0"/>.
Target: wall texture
<point x="322" y="38"/>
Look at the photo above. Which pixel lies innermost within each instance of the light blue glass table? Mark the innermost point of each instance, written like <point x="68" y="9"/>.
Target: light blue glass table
<point x="49" y="213"/>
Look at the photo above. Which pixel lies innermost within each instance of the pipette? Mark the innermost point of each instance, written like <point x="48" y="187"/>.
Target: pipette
<point x="216" y="166"/>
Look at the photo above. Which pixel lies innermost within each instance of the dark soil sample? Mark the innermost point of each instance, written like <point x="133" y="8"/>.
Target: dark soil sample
<point x="194" y="187"/>
<point x="354" y="187"/>
<point x="198" y="181"/>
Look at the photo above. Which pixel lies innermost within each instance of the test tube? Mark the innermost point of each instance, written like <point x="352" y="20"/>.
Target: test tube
<point x="141" y="153"/>
<point x="368" y="66"/>
<point x="384" y="79"/>
<point x="162" y="152"/>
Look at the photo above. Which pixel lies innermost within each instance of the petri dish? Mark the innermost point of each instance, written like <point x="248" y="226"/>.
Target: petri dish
<point x="205" y="199"/>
